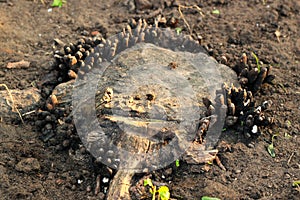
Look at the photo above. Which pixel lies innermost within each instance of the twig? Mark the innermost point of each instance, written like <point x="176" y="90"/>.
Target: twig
<point x="13" y="106"/>
<point x="182" y="16"/>
<point x="28" y="113"/>
<point x="290" y="158"/>
<point x="97" y="188"/>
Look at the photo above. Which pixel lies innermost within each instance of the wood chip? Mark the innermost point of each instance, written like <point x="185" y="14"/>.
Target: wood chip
<point x="18" y="65"/>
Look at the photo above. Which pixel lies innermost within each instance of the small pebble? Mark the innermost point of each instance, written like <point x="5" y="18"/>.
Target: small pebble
<point x="73" y="187"/>
<point x="105" y="180"/>
<point x="88" y="188"/>
<point x="254" y="129"/>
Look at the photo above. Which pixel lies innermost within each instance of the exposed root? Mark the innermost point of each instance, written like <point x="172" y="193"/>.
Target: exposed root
<point x="189" y="7"/>
<point x="219" y="163"/>
<point x="12" y="104"/>
<point x="119" y="187"/>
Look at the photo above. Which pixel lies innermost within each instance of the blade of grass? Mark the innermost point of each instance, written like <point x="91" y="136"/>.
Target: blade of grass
<point x="257" y="61"/>
<point x="209" y="198"/>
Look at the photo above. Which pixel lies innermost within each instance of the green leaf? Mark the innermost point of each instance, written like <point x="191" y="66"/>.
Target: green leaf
<point x="257" y="61"/>
<point x="296" y="183"/>
<point x="271" y="150"/>
<point x="164" y="193"/>
<point x="58" y="3"/>
<point x="148" y="182"/>
<point x="216" y="12"/>
<point x="177" y="163"/>
<point x="209" y="198"/>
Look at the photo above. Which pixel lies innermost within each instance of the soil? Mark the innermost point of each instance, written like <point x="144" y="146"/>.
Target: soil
<point x="31" y="169"/>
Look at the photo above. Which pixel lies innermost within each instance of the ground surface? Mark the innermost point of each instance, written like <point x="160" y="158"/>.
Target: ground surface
<point x="27" y="30"/>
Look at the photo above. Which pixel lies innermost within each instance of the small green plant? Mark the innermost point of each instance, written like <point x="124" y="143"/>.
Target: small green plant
<point x="216" y="12"/>
<point x="296" y="183"/>
<point x="58" y="3"/>
<point x="271" y="148"/>
<point x="178" y="30"/>
<point x="257" y="61"/>
<point x="163" y="191"/>
<point x="177" y="163"/>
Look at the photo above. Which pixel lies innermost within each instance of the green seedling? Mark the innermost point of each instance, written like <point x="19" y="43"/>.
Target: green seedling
<point x="163" y="191"/>
<point x="271" y="148"/>
<point x="178" y="30"/>
<point x="257" y="61"/>
<point x="296" y="183"/>
<point x="209" y="198"/>
<point x="58" y="3"/>
<point x="152" y="190"/>
<point x="177" y="163"/>
<point x="216" y="12"/>
<point x="224" y="129"/>
<point x="286" y="135"/>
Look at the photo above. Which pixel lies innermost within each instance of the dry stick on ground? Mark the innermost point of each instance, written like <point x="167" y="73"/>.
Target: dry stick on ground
<point x="290" y="158"/>
<point x="43" y="1"/>
<point x="12" y="105"/>
<point x="189" y="7"/>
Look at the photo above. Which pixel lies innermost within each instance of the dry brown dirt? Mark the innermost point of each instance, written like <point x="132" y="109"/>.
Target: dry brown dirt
<point x="29" y="169"/>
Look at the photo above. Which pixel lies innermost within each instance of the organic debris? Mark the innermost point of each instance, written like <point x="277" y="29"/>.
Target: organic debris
<point x="18" y="65"/>
<point x="189" y="7"/>
<point x="12" y="104"/>
<point x="72" y="62"/>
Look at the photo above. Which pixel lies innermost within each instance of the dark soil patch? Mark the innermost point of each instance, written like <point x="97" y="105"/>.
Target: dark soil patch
<point x="28" y="30"/>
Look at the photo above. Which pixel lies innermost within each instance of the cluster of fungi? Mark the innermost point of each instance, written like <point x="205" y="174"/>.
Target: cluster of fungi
<point x="75" y="60"/>
<point x="236" y="104"/>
